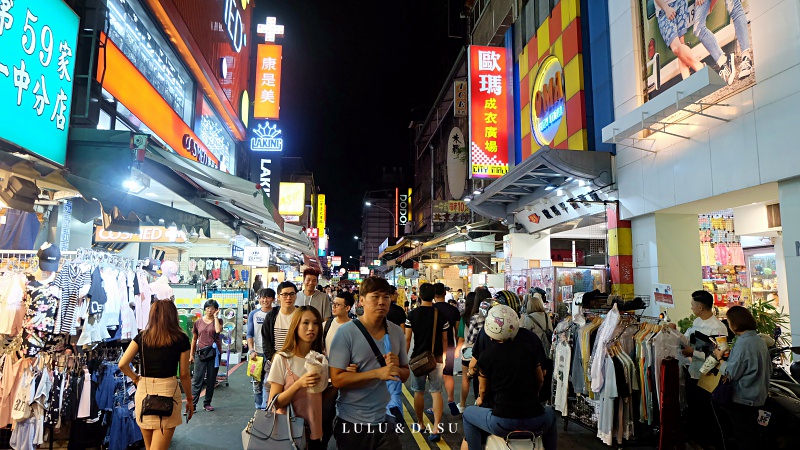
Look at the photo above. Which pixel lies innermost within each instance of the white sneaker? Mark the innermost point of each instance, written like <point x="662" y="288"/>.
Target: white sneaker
<point x="745" y="66"/>
<point x="461" y="408"/>
<point x="727" y="71"/>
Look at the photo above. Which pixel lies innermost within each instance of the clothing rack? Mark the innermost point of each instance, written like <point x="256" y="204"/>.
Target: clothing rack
<point x="26" y="261"/>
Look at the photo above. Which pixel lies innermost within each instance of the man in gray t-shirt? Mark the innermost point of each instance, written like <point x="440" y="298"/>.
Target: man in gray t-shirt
<point x="310" y="296"/>
<point x="363" y="395"/>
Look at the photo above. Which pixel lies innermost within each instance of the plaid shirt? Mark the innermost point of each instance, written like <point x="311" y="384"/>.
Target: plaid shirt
<point x="475" y="326"/>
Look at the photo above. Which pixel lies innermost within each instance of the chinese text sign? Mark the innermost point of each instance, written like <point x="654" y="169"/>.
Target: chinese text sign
<point x="268" y="82"/>
<point x="37" y="62"/>
<point x="488" y="95"/>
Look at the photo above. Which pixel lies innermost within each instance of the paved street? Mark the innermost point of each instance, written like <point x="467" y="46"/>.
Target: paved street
<point x="234" y="407"/>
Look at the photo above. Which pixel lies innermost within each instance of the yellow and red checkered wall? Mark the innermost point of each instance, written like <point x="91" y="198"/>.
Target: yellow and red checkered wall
<point x="560" y="36"/>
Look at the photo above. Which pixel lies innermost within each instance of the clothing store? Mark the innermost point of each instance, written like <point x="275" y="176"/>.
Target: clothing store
<point x="701" y="151"/>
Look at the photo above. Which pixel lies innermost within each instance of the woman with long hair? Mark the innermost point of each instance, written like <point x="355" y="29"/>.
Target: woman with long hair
<point x="288" y="378"/>
<point x="163" y="346"/>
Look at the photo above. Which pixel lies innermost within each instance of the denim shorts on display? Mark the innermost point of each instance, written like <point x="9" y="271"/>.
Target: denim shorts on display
<point x="434" y="380"/>
<point x="673" y="29"/>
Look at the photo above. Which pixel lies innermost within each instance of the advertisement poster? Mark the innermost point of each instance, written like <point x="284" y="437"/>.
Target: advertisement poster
<point x="488" y="105"/>
<point x="679" y="37"/>
<point x="663" y="295"/>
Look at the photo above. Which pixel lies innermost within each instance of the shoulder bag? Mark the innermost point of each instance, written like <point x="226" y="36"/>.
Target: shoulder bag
<point x="424" y="363"/>
<point x="375" y="350"/>
<point x="268" y="430"/>
<point x="723" y="393"/>
<point x="156" y="405"/>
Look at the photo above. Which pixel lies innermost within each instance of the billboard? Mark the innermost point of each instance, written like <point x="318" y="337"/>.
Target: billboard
<point x="322" y="214"/>
<point x="37" y="62"/>
<point x="292" y="199"/>
<point x="679" y="37"/>
<point x="268" y="82"/>
<point x="488" y="111"/>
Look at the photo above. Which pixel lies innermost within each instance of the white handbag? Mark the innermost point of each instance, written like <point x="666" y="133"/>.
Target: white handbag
<point x="516" y="440"/>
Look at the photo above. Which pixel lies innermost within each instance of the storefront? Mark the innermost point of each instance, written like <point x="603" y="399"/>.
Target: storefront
<point x="707" y="153"/>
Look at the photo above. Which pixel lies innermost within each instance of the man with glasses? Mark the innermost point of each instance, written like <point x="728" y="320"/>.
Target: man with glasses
<point x="363" y="394"/>
<point x="341" y="310"/>
<point x="276" y="327"/>
<point x="255" y="322"/>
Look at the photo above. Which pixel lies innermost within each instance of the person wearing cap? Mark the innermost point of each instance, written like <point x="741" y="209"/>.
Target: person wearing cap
<point x="698" y="399"/>
<point x="513" y="371"/>
<point x="205" y="334"/>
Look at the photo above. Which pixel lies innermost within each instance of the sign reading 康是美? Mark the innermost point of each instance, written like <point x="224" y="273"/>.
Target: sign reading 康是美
<point x="37" y="61"/>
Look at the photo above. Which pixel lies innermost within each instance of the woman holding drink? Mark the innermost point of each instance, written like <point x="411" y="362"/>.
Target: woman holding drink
<point x="294" y="380"/>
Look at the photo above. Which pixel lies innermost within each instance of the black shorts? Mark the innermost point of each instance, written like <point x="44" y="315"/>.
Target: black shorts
<point x="449" y="362"/>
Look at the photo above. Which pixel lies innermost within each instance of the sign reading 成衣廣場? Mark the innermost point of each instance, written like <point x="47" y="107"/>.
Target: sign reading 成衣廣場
<point x="37" y="61"/>
<point x="488" y="100"/>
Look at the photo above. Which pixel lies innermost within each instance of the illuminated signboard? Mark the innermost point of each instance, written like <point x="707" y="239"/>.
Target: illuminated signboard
<point x="313" y="233"/>
<point x="145" y="234"/>
<point x="234" y="25"/>
<point x="121" y="79"/>
<point x="268" y="82"/>
<point x="266" y="138"/>
<point x="548" y="101"/>
<point x="336" y="261"/>
<point x="488" y="100"/>
<point x="214" y="134"/>
<point x="292" y="199"/>
<point x="402" y="208"/>
<point x="322" y="214"/>
<point x="37" y="61"/>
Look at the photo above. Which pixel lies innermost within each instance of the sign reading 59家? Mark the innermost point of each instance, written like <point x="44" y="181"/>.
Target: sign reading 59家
<point x="37" y="62"/>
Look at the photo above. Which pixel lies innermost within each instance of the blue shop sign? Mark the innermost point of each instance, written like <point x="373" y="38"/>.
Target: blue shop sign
<point x="37" y="63"/>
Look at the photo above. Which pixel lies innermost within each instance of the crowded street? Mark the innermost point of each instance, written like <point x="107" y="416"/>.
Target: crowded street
<point x="452" y="224"/>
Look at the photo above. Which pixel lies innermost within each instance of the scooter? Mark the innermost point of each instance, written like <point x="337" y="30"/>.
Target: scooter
<point x="781" y="412"/>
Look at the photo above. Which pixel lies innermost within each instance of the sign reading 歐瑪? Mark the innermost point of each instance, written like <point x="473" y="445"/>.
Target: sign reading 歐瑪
<point x="488" y="100"/>
<point x="37" y="61"/>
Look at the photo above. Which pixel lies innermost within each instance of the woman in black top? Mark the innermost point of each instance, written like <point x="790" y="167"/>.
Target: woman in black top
<point x="162" y="345"/>
<point x="513" y="370"/>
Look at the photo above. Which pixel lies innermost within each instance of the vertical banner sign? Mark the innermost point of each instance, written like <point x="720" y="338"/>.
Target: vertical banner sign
<point x="460" y="108"/>
<point x="488" y="115"/>
<point x="37" y="61"/>
<point x="268" y="82"/>
<point x="321" y="215"/>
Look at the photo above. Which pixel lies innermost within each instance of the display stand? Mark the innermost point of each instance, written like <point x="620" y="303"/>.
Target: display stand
<point x="231" y="302"/>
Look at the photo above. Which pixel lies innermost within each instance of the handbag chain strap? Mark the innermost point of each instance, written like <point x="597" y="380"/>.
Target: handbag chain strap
<point x="143" y="370"/>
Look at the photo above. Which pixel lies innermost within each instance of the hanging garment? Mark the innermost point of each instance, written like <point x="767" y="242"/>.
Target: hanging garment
<point x="604" y="334"/>
<point x="605" y="408"/>
<point x="561" y="376"/>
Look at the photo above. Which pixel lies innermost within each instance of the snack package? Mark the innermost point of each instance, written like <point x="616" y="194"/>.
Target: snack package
<point x="316" y="363"/>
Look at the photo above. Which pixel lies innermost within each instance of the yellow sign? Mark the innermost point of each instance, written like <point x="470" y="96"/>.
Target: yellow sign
<point x="146" y="234"/>
<point x="292" y="199"/>
<point x="321" y="215"/>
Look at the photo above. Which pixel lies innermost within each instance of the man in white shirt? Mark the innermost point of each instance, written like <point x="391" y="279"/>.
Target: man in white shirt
<point x="254" y="339"/>
<point x="313" y="297"/>
<point x="698" y="399"/>
<point x="342" y="304"/>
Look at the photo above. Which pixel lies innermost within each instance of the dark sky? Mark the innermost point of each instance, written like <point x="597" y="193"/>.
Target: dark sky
<point x="355" y="73"/>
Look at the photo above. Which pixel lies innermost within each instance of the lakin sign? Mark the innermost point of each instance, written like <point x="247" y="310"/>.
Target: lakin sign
<point x="548" y="101"/>
<point x="266" y="139"/>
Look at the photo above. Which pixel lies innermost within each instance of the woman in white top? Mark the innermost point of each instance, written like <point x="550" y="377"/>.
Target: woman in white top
<point x="288" y="377"/>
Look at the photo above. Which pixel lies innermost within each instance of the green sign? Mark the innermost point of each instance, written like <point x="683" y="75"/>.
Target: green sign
<point x="37" y="61"/>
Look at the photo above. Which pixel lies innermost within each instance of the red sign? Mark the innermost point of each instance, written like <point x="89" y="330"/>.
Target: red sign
<point x="488" y="93"/>
<point x="313" y="233"/>
<point x="268" y="82"/>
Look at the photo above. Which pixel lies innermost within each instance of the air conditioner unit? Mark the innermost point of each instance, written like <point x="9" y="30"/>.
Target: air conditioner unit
<point x="20" y="194"/>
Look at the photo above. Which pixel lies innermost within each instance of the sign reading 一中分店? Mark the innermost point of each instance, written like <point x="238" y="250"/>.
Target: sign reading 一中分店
<point x="488" y="100"/>
<point x="322" y="215"/>
<point x="37" y="61"/>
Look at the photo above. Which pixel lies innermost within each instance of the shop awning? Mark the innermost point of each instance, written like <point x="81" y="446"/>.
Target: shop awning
<point x="221" y="186"/>
<point x="443" y="238"/>
<point x="534" y="178"/>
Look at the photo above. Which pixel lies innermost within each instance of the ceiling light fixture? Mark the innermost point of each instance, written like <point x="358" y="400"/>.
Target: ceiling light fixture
<point x="549" y="187"/>
<point x="477" y="192"/>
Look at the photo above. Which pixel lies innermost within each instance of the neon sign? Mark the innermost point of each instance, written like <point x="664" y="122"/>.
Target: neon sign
<point x="266" y="139"/>
<point x="548" y="101"/>
<point x="234" y="25"/>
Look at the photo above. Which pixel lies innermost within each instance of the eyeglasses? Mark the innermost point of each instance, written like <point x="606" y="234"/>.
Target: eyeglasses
<point x="287" y="294"/>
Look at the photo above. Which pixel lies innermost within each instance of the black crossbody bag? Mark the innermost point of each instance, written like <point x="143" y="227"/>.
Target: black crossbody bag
<point x="153" y="404"/>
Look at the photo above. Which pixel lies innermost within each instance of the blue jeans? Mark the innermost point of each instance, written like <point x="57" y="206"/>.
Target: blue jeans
<point x="708" y="39"/>
<point x="258" y="392"/>
<point x="479" y="423"/>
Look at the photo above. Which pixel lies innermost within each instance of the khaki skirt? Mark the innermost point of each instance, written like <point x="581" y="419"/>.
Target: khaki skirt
<point x="167" y="387"/>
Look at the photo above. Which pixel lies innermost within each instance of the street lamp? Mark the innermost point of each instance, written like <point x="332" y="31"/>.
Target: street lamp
<point x="394" y="220"/>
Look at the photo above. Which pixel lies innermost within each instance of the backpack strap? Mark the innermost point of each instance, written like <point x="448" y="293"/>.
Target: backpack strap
<point x="373" y="346"/>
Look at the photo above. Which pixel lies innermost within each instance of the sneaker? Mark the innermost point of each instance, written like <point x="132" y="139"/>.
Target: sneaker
<point x="434" y="437"/>
<point x="461" y="408"/>
<point x="727" y="71"/>
<point x="745" y="66"/>
<point x="208" y="408"/>
<point x="454" y="411"/>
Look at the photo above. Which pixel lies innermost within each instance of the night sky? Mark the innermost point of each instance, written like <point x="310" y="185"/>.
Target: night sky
<point x="355" y="73"/>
